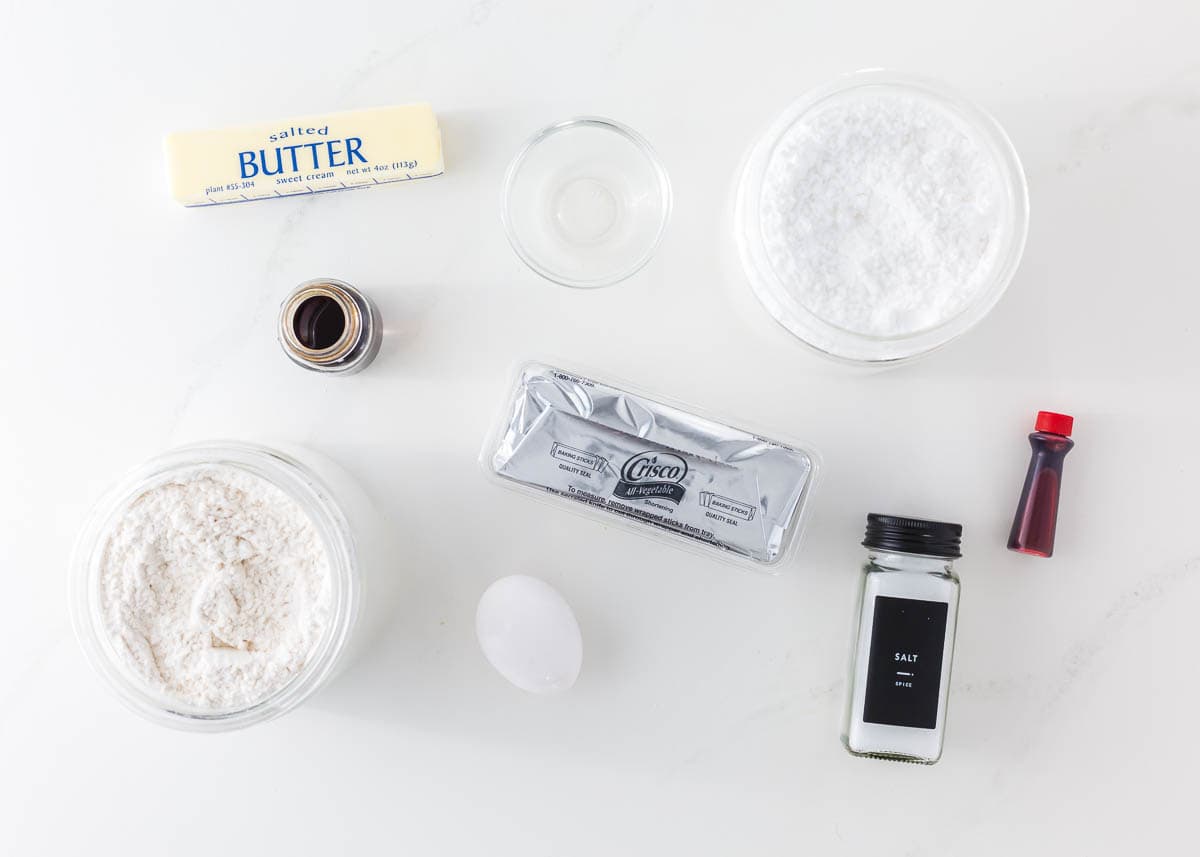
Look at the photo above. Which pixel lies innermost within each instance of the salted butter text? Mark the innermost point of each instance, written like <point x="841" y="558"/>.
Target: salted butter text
<point x="302" y="156"/>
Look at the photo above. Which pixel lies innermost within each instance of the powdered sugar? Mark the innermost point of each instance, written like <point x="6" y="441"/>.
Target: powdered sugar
<point x="882" y="213"/>
<point x="214" y="587"/>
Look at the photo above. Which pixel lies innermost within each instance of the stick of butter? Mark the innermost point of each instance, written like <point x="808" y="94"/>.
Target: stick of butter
<point x="338" y="151"/>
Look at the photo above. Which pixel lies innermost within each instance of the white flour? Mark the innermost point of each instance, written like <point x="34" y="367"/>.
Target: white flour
<point x="882" y="213"/>
<point x="215" y="587"/>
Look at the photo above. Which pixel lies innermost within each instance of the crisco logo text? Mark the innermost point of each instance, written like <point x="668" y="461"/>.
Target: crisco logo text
<point x="654" y="467"/>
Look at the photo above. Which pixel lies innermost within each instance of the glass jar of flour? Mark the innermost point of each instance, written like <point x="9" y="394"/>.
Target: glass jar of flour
<point x="217" y="585"/>
<point x="904" y="641"/>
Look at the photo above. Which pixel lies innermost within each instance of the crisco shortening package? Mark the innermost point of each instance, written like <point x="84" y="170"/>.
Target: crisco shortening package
<point x="662" y="468"/>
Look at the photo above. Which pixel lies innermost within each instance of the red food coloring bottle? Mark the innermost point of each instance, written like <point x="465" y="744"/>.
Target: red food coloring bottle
<point x="1037" y="513"/>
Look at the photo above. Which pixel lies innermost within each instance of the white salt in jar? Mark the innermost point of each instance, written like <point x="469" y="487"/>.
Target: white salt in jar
<point x="217" y="585"/>
<point x="880" y="217"/>
<point x="903" y="647"/>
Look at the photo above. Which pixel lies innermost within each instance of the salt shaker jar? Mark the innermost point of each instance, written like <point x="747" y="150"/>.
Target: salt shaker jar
<point x="904" y="640"/>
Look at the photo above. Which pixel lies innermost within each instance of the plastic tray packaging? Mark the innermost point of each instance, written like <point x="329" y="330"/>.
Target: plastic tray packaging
<point x="664" y="470"/>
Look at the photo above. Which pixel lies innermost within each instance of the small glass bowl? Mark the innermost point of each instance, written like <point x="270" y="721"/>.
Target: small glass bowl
<point x="776" y="295"/>
<point x="290" y="476"/>
<point x="585" y="202"/>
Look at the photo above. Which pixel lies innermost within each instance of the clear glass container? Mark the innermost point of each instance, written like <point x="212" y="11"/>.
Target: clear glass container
<point x="586" y="202"/>
<point x="903" y="641"/>
<point x="780" y="295"/>
<point x="290" y="475"/>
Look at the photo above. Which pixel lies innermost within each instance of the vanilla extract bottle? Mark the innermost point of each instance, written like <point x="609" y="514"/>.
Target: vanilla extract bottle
<point x="904" y="641"/>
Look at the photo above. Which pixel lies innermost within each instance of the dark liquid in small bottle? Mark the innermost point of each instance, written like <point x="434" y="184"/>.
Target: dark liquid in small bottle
<point x="1037" y="513"/>
<point x="319" y="323"/>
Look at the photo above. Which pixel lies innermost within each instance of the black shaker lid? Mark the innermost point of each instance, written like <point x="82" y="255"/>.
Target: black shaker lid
<point x="913" y="535"/>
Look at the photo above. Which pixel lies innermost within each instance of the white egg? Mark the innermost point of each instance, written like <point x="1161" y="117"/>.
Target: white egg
<point x="528" y="632"/>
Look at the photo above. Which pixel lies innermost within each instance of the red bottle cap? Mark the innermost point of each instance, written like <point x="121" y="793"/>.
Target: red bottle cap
<point x="1053" y="423"/>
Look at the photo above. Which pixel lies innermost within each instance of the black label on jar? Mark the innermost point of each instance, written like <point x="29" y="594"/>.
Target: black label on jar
<point x="904" y="671"/>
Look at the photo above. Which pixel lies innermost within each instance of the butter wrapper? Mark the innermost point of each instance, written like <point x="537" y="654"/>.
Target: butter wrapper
<point x="653" y="465"/>
<point x="309" y="154"/>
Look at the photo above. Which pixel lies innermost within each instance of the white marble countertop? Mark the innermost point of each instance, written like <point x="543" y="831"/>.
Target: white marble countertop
<point x="706" y="720"/>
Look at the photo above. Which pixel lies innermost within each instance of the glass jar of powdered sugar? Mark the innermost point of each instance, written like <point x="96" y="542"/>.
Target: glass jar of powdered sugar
<point x="217" y="585"/>
<point x="881" y="216"/>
